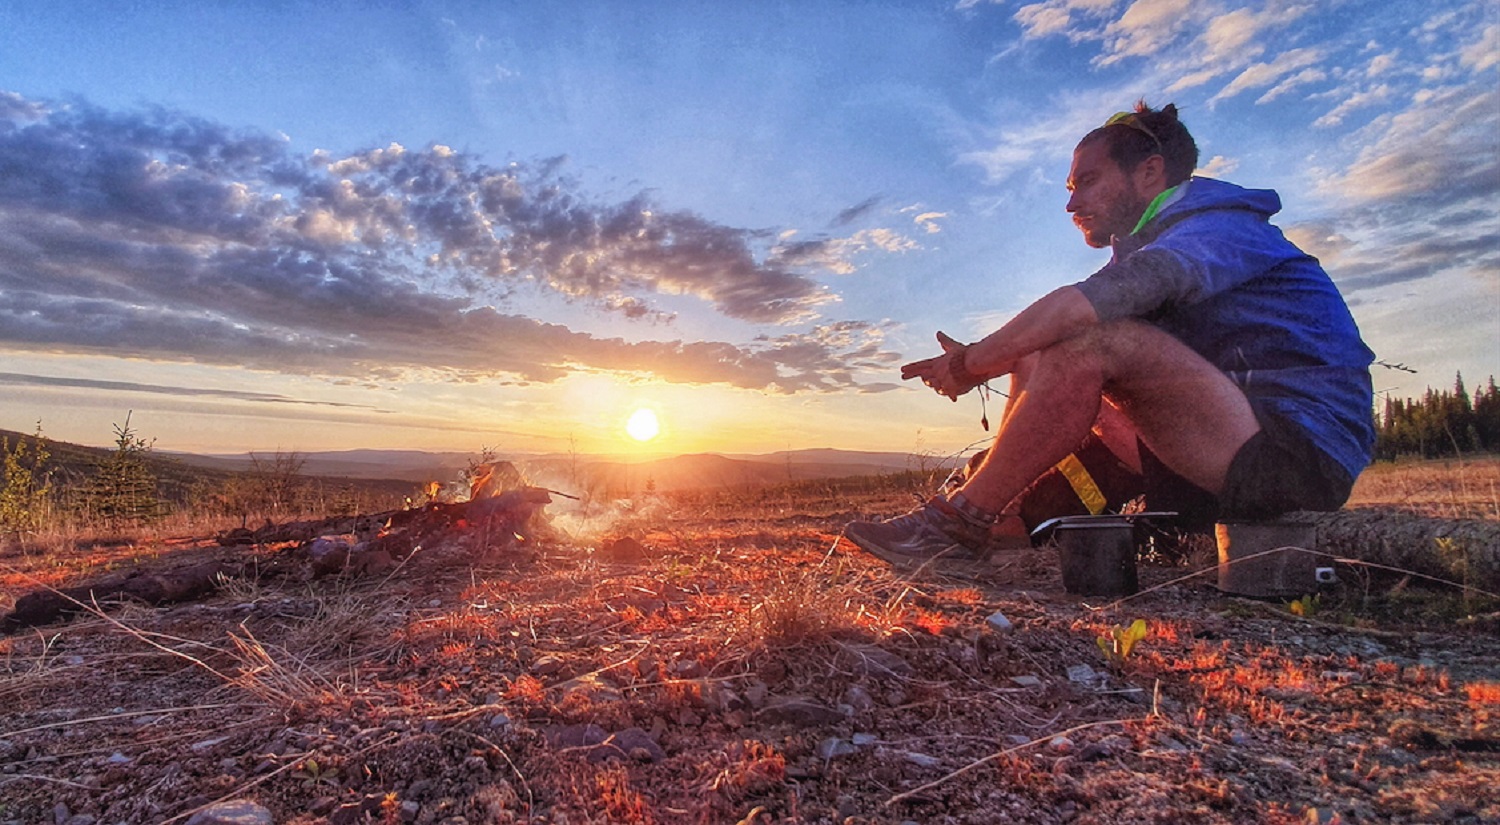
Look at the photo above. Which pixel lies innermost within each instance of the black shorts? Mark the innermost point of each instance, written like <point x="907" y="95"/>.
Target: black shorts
<point x="1277" y="471"/>
<point x="1280" y="470"/>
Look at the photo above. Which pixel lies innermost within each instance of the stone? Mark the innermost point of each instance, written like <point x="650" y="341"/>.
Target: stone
<point x="1026" y="680"/>
<point x="800" y="711"/>
<point x="858" y="698"/>
<point x="756" y="693"/>
<point x="1169" y="743"/>
<point x="999" y="623"/>
<point x="638" y="745"/>
<point x="872" y="661"/>
<point x="834" y="747"/>
<point x="1082" y="674"/>
<point x="233" y="812"/>
<point x="631" y="743"/>
<point x="1095" y="750"/>
<point x="921" y="760"/>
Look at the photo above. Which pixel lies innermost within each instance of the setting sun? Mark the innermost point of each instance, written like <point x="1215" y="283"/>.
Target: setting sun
<point x="642" y="425"/>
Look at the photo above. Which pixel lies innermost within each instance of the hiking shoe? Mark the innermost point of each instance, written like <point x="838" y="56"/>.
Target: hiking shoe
<point x="931" y="533"/>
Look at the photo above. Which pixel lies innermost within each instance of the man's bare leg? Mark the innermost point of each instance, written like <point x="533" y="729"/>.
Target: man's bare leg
<point x="1188" y="412"/>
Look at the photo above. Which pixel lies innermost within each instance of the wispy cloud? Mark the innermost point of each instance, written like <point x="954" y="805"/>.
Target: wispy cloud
<point x="56" y="382"/>
<point x="1412" y="195"/>
<point x="159" y="235"/>
<point x="1261" y="75"/>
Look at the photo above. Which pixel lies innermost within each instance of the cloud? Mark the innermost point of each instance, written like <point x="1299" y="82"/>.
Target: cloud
<point x="1419" y="197"/>
<point x="159" y="235"/>
<point x="1381" y="64"/>
<point x="1261" y="75"/>
<point x="24" y="380"/>
<point x="1291" y="82"/>
<point x="1078" y="19"/>
<point x="1360" y="99"/>
<point x="1147" y="27"/>
<point x="1218" y="166"/>
<point x="929" y="221"/>
<point x="837" y="254"/>
<point x="1484" y="53"/>
<point x="856" y="211"/>
<point x="1443" y="147"/>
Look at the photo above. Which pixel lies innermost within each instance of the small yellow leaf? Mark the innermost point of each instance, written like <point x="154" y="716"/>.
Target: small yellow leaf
<point x="1125" y="638"/>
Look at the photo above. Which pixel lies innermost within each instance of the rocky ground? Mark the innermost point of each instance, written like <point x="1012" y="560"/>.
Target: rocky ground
<point x="722" y="662"/>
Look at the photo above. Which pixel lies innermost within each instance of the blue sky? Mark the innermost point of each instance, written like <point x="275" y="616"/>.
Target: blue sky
<point x="454" y="225"/>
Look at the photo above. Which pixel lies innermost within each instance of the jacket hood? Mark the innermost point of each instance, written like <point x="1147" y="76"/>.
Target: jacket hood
<point x="1197" y="194"/>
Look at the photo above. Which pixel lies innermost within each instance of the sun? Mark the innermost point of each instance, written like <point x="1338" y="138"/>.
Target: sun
<point x="643" y="425"/>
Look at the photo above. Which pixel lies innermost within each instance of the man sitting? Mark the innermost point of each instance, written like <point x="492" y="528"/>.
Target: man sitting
<point x="1210" y="357"/>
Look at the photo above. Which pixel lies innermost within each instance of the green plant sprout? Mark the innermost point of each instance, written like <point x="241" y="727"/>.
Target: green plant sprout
<point x="313" y="774"/>
<point x="1305" y="606"/>
<point x="1121" y="640"/>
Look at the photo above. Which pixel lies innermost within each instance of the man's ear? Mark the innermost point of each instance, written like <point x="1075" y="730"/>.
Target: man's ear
<point x="1150" y="175"/>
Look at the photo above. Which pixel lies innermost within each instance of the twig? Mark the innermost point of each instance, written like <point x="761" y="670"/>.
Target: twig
<point x="294" y="762"/>
<point x="51" y="725"/>
<point x="241" y="789"/>
<point x="998" y="754"/>
<point x="530" y="800"/>
<point x="1362" y="563"/>
<point x="18" y="777"/>
<point x="94" y="608"/>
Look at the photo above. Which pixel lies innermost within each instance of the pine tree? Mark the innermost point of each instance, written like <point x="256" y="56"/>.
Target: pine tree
<point x="25" y="487"/>
<point x="1440" y="423"/>
<point x="123" y="488"/>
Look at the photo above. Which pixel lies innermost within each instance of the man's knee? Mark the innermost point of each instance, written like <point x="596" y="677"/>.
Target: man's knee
<point x="1105" y="347"/>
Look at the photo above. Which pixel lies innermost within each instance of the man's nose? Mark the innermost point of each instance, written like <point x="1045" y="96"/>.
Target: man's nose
<point x="1072" y="202"/>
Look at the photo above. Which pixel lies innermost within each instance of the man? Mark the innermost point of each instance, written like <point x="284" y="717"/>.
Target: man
<point x="1210" y="355"/>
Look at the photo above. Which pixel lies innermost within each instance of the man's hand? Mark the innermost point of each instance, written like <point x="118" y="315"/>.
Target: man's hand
<point x="946" y="374"/>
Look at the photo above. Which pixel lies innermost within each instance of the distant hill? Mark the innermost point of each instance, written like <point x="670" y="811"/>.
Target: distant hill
<point x="571" y="474"/>
<point x="415" y="466"/>
<point x="714" y="471"/>
<point x="181" y="476"/>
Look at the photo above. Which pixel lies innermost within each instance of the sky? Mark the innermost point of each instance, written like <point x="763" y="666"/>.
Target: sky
<point x="466" y="225"/>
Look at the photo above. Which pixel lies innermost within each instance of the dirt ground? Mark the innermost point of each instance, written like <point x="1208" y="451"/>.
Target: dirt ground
<point x="739" y="663"/>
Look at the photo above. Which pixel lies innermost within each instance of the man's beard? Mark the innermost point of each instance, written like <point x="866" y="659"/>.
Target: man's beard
<point x="1118" y="218"/>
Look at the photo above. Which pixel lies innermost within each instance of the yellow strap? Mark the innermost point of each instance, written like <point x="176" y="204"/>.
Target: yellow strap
<point x="1083" y="484"/>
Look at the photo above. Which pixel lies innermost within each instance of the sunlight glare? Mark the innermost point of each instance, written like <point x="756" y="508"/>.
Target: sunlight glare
<point x="642" y="425"/>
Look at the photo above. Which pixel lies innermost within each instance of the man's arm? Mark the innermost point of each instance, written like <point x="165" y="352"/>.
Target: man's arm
<point x="1056" y="316"/>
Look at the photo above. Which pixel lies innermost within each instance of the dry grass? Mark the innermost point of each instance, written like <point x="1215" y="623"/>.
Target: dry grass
<point x="1454" y="488"/>
<point x="447" y="685"/>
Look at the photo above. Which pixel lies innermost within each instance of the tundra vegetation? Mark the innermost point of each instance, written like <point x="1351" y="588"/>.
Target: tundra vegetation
<point x="717" y="656"/>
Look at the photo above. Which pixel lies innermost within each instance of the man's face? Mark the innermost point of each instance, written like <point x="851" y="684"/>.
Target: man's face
<point x="1106" y="201"/>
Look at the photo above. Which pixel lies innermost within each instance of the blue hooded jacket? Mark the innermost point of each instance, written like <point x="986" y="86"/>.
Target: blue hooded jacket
<point x="1210" y="269"/>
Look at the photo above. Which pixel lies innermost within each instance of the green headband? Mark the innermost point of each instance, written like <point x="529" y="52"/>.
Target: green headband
<point x="1133" y="120"/>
